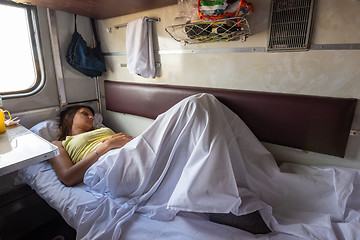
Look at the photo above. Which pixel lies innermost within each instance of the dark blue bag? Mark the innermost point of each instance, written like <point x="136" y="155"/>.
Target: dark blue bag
<point x="89" y="61"/>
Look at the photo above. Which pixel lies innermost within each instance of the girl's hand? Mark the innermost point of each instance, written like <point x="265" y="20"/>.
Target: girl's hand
<point x="115" y="141"/>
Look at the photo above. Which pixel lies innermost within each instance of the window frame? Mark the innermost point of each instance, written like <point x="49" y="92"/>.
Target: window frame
<point x="34" y="38"/>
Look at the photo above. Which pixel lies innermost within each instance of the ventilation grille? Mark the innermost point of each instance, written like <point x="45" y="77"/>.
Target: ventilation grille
<point x="291" y="25"/>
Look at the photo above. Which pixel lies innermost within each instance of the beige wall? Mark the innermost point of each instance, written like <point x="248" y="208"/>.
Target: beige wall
<point x="316" y="72"/>
<point x="224" y="65"/>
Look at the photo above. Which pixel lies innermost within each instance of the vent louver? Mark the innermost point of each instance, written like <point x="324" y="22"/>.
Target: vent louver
<point x="290" y="25"/>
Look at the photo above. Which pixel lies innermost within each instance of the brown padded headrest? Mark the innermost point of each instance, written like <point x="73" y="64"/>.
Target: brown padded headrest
<point x="312" y="123"/>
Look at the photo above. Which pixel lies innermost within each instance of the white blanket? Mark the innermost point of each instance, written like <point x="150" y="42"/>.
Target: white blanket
<point x="139" y="48"/>
<point x="70" y="202"/>
<point x="200" y="157"/>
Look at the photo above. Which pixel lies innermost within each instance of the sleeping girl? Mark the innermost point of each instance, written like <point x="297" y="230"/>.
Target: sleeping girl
<point x="78" y="140"/>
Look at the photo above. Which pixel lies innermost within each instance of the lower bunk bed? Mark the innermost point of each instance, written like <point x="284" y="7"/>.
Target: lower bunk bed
<point x="168" y="191"/>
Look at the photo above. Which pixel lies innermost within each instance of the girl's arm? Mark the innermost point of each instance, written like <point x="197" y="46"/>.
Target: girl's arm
<point x="71" y="174"/>
<point x="68" y="173"/>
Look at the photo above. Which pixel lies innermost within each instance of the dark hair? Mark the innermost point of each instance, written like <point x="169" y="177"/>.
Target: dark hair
<point x="66" y="119"/>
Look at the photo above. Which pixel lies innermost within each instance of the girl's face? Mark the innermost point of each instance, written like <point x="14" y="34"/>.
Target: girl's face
<point x="83" y="119"/>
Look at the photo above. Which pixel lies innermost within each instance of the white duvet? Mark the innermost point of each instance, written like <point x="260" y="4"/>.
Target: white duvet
<point x="200" y="157"/>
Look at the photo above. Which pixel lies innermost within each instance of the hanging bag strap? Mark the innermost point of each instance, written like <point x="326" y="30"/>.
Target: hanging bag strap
<point x="75" y="24"/>
<point x="94" y="30"/>
<point x="93" y="26"/>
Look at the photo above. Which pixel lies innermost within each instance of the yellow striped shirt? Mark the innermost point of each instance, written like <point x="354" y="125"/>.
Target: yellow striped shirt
<point x="79" y="146"/>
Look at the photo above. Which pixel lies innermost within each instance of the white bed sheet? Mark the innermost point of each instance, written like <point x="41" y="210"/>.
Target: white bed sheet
<point x="65" y="200"/>
<point x="297" y="202"/>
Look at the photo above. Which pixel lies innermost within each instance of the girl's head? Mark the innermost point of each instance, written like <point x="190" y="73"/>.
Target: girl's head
<point x="80" y="115"/>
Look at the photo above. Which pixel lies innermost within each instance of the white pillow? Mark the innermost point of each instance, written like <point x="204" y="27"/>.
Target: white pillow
<point x="97" y="122"/>
<point x="49" y="129"/>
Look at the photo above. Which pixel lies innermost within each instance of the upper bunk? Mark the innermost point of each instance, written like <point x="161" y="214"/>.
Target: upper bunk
<point x="99" y="9"/>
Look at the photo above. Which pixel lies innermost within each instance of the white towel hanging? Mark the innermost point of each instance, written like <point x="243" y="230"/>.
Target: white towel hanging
<point x="139" y="48"/>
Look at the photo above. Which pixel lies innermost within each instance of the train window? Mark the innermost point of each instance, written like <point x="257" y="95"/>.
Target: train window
<point x="20" y="60"/>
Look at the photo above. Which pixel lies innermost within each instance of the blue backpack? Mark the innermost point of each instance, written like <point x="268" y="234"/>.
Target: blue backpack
<point x="89" y="61"/>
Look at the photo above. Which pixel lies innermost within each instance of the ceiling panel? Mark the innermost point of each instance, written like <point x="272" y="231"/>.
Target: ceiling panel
<point x="100" y="9"/>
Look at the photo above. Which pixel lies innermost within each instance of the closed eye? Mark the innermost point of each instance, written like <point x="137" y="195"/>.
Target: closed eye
<point x="86" y="114"/>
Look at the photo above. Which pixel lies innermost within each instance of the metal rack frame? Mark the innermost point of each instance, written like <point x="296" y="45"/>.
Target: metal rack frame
<point x="227" y="29"/>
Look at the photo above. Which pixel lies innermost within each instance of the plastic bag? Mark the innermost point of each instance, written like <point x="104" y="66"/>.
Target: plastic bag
<point x="235" y="9"/>
<point x="188" y="9"/>
<point x="212" y="7"/>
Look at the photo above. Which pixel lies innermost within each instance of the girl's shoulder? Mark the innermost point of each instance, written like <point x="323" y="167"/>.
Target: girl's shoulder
<point x="104" y="130"/>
